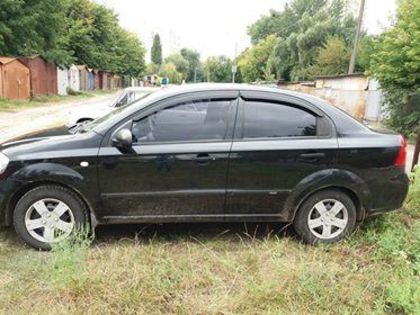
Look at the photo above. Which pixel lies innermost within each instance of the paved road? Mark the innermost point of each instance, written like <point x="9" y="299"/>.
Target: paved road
<point x="13" y="124"/>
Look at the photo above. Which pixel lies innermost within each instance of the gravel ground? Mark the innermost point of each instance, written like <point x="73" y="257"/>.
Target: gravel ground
<point x="13" y="124"/>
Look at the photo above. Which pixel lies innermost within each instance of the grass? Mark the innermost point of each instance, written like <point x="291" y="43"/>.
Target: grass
<point x="13" y="105"/>
<point x="219" y="269"/>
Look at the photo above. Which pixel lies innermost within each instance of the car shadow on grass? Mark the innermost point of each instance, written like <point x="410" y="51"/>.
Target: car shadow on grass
<point x="175" y="232"/>
<point x="171" y="233"/>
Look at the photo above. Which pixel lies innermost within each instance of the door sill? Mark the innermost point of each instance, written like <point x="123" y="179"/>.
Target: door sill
<point x="193" y="218"/>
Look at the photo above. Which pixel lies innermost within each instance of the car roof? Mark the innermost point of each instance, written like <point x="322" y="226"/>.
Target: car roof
<point x="339" y="117"/>
<point x="203" y="87"/>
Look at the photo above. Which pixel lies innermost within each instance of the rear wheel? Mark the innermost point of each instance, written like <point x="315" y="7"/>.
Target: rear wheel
<point x="325" y="217"/>
<point x="49" y="214"/>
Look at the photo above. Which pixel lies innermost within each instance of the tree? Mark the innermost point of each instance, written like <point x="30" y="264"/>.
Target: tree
<point x="333" y="58"/>
<point x="31" y="26"/>
<point x="253" y="61"/>
<point x="194" y="64"/>
<point x="169" y="70"/>
<point x="180" y="63"/>
<point x="94" y="37"/>
<point x="396" y="65"/>
<point x="365" y="53"/>
<point x="69" y="31"/>
<point x="156" y="52"/>
<point x="302" y="29"/>
<point x="277" y="23"/>
<point x="218" y="69"/>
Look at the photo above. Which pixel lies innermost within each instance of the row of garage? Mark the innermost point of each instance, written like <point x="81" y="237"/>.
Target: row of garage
<point x="25" y="77"/>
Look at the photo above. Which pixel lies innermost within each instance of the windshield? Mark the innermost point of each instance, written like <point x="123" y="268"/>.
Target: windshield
<point x="118" y="99"/>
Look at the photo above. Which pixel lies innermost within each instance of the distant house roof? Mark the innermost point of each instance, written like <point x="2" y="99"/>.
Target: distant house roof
<point x="81" y="67"/>
<point x="32" y="57"/>
<point x="5" y="60"/>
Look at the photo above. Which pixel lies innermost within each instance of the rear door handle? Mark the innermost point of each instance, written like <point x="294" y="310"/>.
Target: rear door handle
<point x="312" y="156"/>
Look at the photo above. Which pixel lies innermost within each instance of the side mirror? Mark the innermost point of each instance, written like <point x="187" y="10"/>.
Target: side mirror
<point x="123" y="138"/>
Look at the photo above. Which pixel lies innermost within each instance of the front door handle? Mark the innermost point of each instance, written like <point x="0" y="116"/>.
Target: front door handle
<point x="204" y="158"/>
<point x="311" y="156"/>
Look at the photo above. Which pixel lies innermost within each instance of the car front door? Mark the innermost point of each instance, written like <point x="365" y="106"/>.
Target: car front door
<point x="277" y="144"/>
<point x="177" y="165"/>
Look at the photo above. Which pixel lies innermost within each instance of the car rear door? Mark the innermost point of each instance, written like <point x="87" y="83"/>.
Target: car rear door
<point x="177" y="166"/>
<point x="279" y="142"/>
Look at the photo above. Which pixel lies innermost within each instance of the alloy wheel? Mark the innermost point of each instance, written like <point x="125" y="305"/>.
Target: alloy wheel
<point x="49" y="220"/>
<point x="328" y="218"/>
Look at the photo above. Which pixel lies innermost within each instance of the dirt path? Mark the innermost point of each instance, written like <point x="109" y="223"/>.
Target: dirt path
<point x="15" y="123"/>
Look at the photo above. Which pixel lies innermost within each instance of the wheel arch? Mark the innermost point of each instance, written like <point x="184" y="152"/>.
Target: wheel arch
<point x="360" y="209"/>
<point x="31" y="185"/>
<point x="342" y="180"/>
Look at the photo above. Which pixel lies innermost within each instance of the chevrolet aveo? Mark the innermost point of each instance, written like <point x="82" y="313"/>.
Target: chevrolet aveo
<point x="205" y="153"/>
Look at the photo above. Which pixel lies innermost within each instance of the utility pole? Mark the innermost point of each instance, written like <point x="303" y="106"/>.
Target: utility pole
<point x="234" y="66"/>
<point x="357" y="37"/>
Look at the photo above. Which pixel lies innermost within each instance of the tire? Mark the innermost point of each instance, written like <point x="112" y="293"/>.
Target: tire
<point x="337" y="222"/>
<point x="49" y="214"/>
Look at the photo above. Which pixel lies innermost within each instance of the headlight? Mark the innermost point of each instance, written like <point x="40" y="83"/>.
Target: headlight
<point x="4" y="161"/>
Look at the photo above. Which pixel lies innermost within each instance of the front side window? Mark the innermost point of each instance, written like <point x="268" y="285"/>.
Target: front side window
<point x="269" y="120"/>
<point x="188" y="121"/>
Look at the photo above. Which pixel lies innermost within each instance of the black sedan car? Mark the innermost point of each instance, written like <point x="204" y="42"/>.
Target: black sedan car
<point x="205" y="153"/>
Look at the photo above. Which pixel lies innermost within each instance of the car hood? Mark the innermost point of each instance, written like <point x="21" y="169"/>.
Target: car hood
<point x="90" y="112"/>
<point x="49" y="143"/>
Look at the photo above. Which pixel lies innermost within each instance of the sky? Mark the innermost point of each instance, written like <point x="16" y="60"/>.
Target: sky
<point x="215" y="27"/>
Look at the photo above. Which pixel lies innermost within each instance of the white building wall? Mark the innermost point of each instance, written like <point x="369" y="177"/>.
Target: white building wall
<point x="62" y="81"/>
<point x="74" y="78"/>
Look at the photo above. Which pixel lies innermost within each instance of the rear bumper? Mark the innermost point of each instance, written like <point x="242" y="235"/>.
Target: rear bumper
<point x="390" y="194"/>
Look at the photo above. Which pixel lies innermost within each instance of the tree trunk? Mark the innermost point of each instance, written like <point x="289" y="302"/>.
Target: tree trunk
<point x="416" y="153"/>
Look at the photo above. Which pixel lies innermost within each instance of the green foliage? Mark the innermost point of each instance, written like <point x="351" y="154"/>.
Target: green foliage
<point x="69" y="31"/>
<point x="302" y="29"/>
<point x="30" y="26"/>
<point x="218" y="69"/>
<point x="365" y="52"/>
<point x="194" y="64"/>
<point x="253" y="61"/>
<point x="169" y="70"/>
<point x="397" y="240"/>
<point x="156" y="52"/>
<point x="396" y="65"/>
<point x="66" y="267"/>
<point x="95" y="38"/>
<point x="180" y="63"/>
<point x="333" y="58"/>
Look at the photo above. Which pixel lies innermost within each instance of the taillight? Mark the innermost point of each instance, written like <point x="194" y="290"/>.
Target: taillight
<point x="402" y="153"/>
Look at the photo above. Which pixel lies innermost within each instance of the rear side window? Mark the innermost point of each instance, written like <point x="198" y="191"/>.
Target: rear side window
<point x="270" y="120"/>
<point x="190" y="121"/>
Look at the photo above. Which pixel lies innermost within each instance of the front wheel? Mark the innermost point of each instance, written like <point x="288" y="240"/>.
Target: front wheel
<point x="325" y="217"/>
<point x="49" y="214"/>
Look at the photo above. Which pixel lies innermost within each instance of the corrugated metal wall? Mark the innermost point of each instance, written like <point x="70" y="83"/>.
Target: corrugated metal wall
<point x="14" y="79"/>
<point x="43" y="75"/>
<point x="356" y="94"/>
